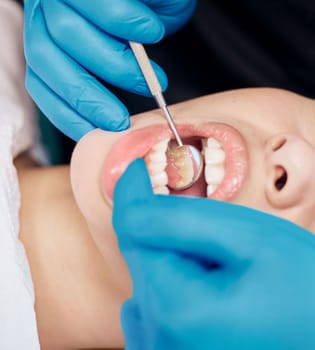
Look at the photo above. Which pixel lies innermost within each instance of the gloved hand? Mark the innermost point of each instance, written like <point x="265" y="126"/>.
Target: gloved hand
<point x="73" y="45"/>
<point x="212" y="275"/>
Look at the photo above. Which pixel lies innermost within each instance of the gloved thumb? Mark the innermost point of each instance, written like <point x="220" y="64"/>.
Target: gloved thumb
<point x="134" y="184"/>
<point x="203" y="228"/>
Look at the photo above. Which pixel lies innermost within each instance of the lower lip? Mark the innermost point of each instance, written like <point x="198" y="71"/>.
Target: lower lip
<point x="136" y="143"/>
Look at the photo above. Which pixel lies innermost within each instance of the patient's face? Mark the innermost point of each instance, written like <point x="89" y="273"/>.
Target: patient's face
<point x="258" y="144"/>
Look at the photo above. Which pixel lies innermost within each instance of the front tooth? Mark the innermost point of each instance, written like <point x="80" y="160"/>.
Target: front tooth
<point x="214" y="174"/>
<point x="211" y="143"/>
<point x="161" y="190"/>
<point x="157" y="152"/>
<point x="161" y="146"/>
<point x="214" y="155"/>
<point x="156" y="162"/>
<point x="156" y="157"/>
<point x="155" y="168"/>
<point x="159" y="179"/>
<point x="211" y="189"/>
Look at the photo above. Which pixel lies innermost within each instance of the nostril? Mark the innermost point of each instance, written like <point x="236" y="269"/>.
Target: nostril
<point x="281" y="178"/>
<point x="278" y="144"/>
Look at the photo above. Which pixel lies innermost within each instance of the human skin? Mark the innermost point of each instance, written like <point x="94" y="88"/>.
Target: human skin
<point x="77" y="303"/>
<point x="277" y="128"/>
<point x="264" y="117"/>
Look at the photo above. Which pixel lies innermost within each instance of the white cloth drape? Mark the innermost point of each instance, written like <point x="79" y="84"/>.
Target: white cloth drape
<point x="18" y="328"/>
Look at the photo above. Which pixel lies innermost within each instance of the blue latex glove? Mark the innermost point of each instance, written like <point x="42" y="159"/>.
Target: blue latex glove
<point x="212" y="275"/>
<point x="72" y="45"/>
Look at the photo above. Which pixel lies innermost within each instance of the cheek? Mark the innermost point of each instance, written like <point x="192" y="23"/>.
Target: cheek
<point x="303" y="216"/>
<point x="252" y="194"/>
<point x="86" y="167"/>
<point x="86" y="172"/>
<point x="312" y="227"/>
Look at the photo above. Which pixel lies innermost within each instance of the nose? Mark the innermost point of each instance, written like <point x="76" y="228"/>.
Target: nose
<point x="290" y="170"/>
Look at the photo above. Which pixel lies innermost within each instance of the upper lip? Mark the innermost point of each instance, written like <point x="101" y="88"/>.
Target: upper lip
<point x="136" y="143"/>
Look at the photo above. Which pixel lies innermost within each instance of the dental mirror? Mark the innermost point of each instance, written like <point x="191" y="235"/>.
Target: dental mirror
<point x="189" y="161"/>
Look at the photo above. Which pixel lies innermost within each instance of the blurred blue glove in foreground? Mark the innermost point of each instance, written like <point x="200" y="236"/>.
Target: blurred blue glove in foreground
<point x="72" y="45"/>
<point x="211" y="275"/>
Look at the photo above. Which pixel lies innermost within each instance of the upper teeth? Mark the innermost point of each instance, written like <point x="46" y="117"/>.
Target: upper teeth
<point x="214" y="164"/>
<point x="214" y="157"/>
<point x="156" y="162"/>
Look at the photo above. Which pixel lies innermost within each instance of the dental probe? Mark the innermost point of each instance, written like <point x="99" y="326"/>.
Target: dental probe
<point x="183" y="155"/>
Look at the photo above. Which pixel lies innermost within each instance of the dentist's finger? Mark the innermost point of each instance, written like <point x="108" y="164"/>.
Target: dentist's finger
<point x="124" y="194"/>
<point x="146" y="21"/>
<point x="173" y="13"/>
<point x="84" y="93"/>
<point x="166" y="299"/>
<point x="133" y="325"/>
<point x="123" y="189"/>
<point x="127" y="19"/>
<point x="105" y="56"/>
<point x="48" y="102"/>
<point x="160" y="219"/>
<point x="205" y="229"/>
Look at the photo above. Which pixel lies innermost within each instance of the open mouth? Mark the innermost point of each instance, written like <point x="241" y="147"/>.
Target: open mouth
<point x="222" y="146"/>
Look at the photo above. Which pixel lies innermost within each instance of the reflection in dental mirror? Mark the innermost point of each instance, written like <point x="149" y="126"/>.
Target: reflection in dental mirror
<point x="185" y="165"/>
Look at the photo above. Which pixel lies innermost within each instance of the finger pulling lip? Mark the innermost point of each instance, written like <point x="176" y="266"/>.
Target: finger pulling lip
<point x="137" y="143"/>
